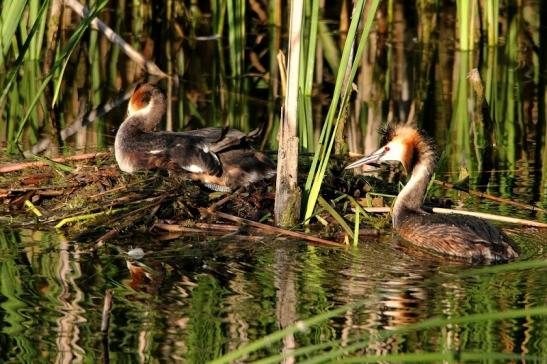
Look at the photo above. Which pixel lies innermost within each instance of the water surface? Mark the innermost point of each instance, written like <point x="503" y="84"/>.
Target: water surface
<point x="204" y="297"/>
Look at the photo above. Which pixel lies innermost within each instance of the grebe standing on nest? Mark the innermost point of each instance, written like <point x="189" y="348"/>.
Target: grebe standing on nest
<point x="221" y="158"/>
<point x="456" y="235"/>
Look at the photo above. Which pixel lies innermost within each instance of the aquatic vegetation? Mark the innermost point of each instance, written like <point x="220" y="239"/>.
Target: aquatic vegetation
<point x="337" y="111"/>
<point x="213" y="278"/>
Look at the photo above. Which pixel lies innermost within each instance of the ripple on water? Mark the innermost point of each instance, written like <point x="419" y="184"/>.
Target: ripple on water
<point x="228" y="293"/>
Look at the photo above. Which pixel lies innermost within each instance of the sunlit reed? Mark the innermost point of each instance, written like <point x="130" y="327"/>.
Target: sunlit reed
<point x="492" y="21"/>
<point x="466" y="24"/>
<point x="338" y="106"/>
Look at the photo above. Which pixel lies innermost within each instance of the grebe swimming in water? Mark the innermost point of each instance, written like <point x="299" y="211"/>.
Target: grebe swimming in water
<point x="456" y="235"/>
<point x="221" y="158"/>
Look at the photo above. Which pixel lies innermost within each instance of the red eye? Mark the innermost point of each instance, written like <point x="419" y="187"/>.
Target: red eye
<point x="386" y="149"/>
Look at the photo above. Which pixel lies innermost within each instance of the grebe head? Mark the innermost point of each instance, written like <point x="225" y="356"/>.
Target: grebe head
<point x="402" y="144"/>
<point x="149" y="103"/>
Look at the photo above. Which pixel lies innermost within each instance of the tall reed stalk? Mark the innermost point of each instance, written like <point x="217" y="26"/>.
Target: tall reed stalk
<point x="336" y="112"/>
<point x="237" y="116"/>
<point x="541" y="127"/>
<point x="512" y="112"/>
<point x="12" y="11"/>
<point x="274" y="30"/>
<point x="466" y="18"/>
<point x="461" y="132"/>
<point x="492" y="21"/>
<point x="33" y="84"/>
<point x="26" y="60"/>
<point x="308" y="56"/>
<point x="59" y="67"/>
<point x="287" y="194"/>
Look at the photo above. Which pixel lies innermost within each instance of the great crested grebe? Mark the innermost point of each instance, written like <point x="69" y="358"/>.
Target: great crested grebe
<point x="456" y="235"/>
<point x="221" y="158"/>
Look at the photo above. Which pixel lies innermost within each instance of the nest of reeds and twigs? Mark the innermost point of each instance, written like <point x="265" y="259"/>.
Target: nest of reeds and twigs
<point x="93" y="197"/>
<point x="90" y="199"/>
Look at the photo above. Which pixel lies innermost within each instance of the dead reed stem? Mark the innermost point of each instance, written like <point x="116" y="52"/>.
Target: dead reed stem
<point x="23" y="165"/>
<point x="54" y="29"/>
<point x="273" y="229"/>
<point x="287" y="193"/>
<point x="488" y="197"/>
<point x="198" y="228"/>
<point x="82" y="121"/>
<point x="222" y="201"/>
<point x="107" y="306"/>
<point x="131" y="52"/>
<point x="483" y="215"/>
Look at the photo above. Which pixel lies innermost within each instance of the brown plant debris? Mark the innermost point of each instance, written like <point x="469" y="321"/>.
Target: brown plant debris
<point x="91" y="199"/>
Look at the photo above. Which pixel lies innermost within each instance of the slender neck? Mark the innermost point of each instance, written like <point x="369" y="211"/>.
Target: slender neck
<point x="411" y="196"/>
<point x="146" y="119"/>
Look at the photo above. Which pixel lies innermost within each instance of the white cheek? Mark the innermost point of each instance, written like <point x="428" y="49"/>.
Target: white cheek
<point x="395" y="153"/>
<point x="144" y="111"/>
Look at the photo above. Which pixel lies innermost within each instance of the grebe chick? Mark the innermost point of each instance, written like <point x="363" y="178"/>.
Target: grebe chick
<point x="221" y="158"/>
<point x="455" y="235"/>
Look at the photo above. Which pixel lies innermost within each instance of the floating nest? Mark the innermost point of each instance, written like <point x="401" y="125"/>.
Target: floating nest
<point x="90" y="199"/>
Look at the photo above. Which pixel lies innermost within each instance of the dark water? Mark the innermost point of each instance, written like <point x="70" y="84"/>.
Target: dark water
<point x="205" y="297"/>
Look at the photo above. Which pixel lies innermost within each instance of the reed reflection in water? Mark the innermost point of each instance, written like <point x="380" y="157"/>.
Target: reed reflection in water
<point x="201" y="299"/>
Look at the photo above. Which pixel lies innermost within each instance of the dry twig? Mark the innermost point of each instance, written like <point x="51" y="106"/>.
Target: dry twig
<point x="131" y="52"/>
<point x="483" y="215"/>
<point x="488" y="196"/>
<point x="273" y="229"/>
<point x="23" y="165"/>
<point x="107" y="306"/>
